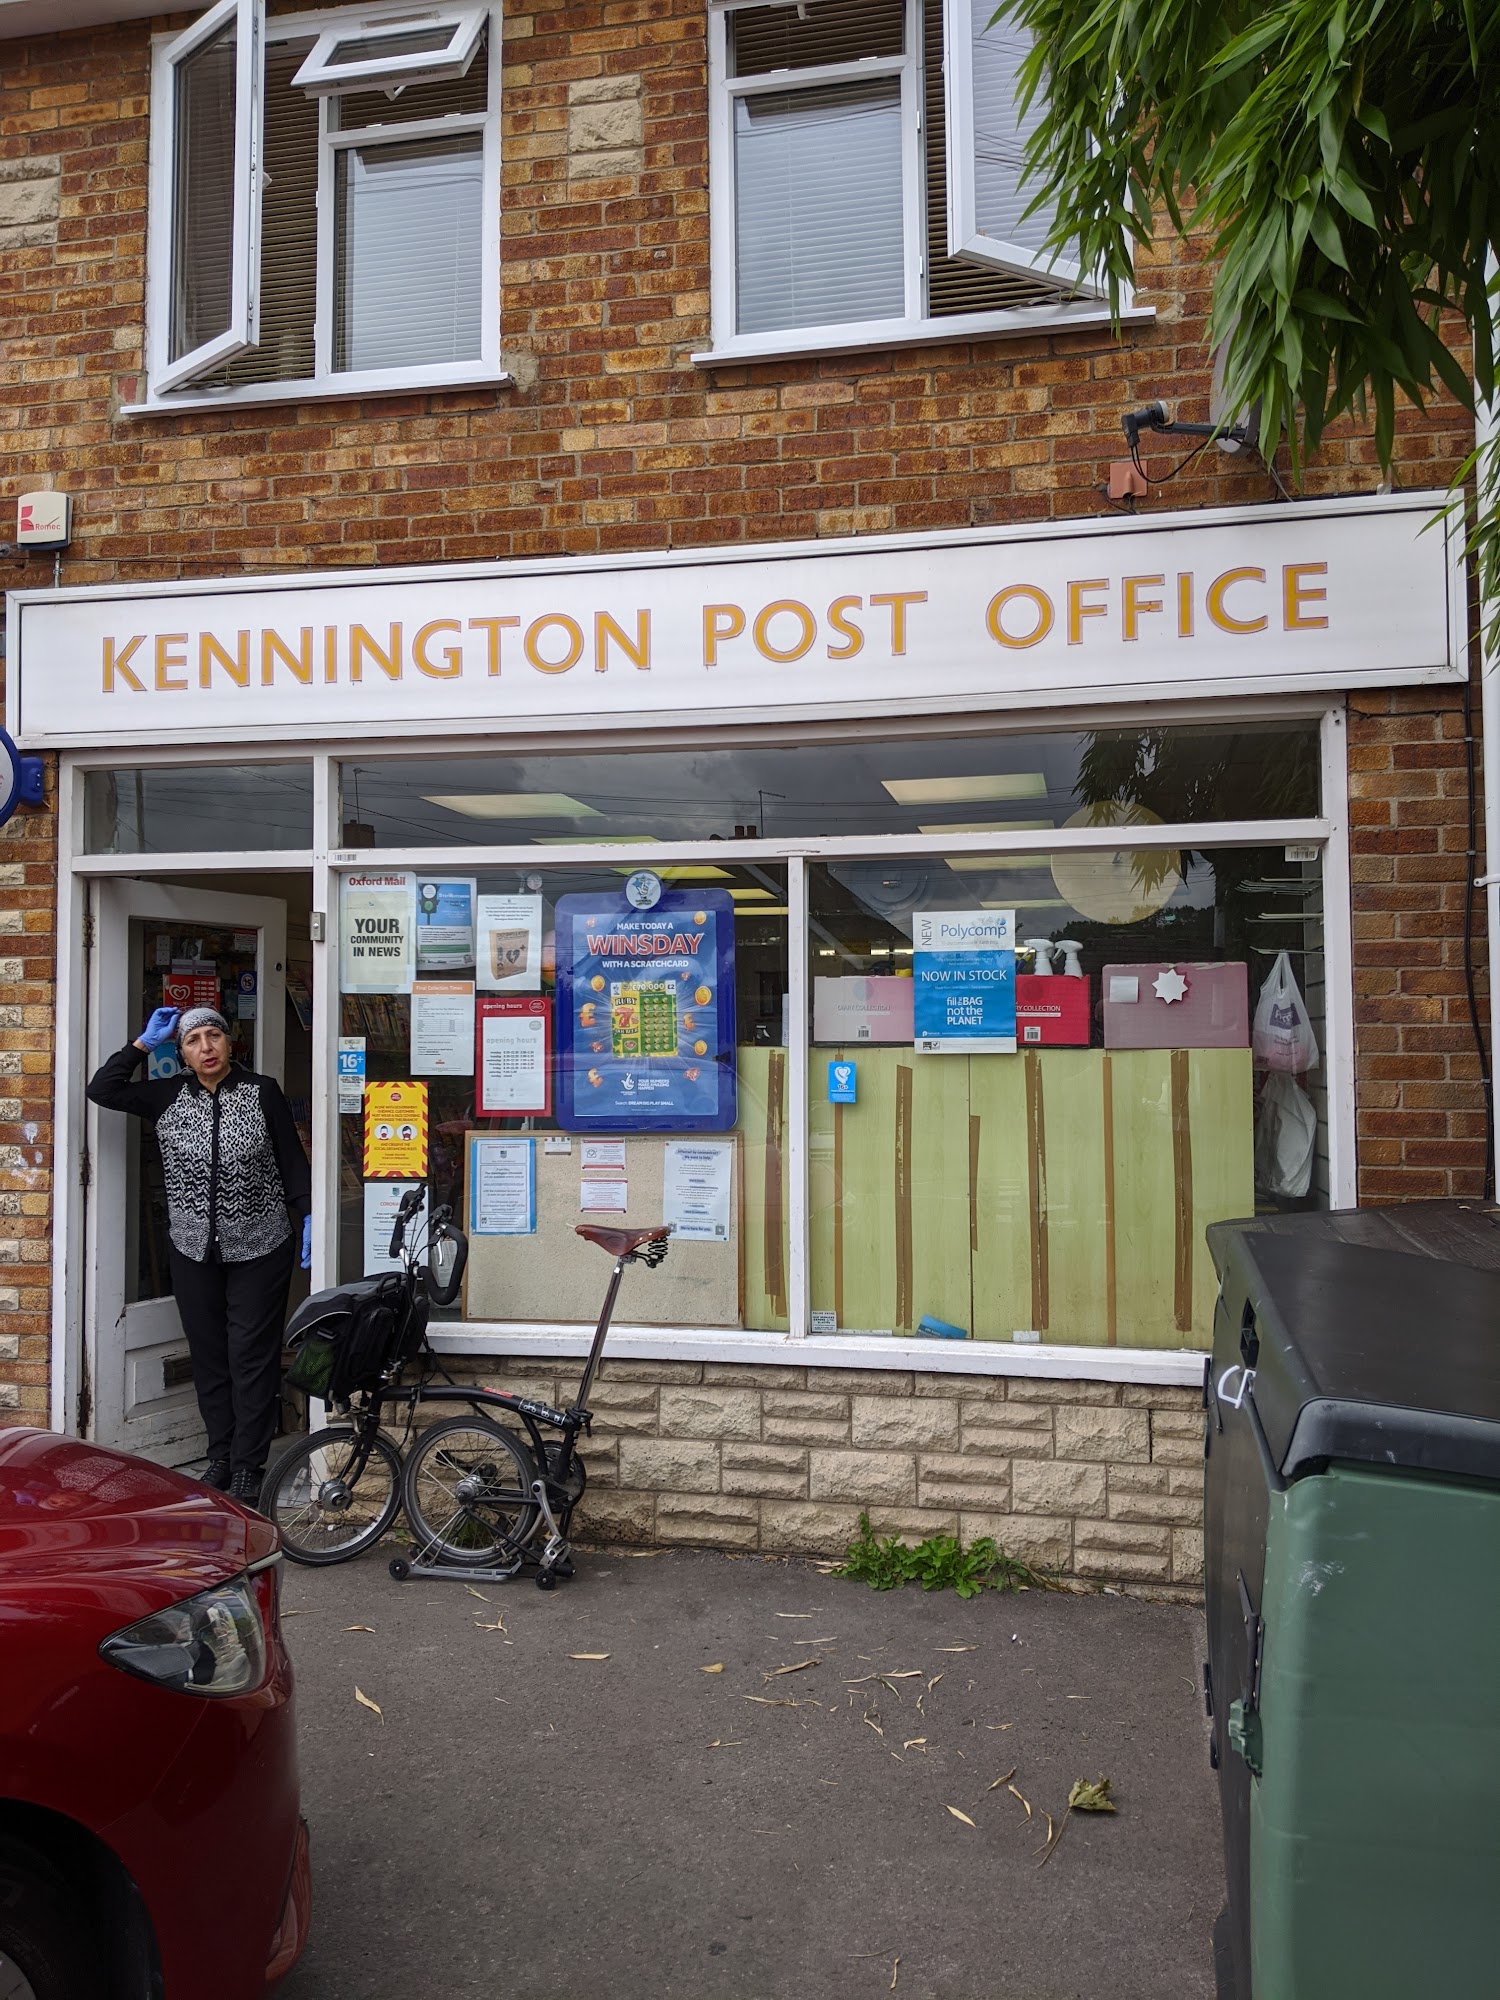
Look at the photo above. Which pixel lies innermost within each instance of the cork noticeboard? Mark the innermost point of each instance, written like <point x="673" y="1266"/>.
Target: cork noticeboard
<point x="553" y="1274"/>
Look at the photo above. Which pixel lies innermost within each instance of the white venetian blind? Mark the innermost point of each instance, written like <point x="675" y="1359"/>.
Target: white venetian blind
<point x="203" y="175"/>
<point x="1001" y="133"/>
<point x="410" y="253"/>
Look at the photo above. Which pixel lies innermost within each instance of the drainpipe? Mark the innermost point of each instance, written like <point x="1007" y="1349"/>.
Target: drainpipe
<point x="1486" y="425"/>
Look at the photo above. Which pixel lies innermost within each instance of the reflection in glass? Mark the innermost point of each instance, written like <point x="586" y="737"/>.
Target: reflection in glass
<point x="203" y="193"/>
<point x="183" y="808"/>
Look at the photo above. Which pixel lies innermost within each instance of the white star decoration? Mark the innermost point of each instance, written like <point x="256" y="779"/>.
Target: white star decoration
<point x="1170" y="985"/>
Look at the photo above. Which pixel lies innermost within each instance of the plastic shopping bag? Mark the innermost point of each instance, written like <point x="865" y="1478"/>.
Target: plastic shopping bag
<point x="1282" y="1037"/>
<point x="1286" y="1131"/>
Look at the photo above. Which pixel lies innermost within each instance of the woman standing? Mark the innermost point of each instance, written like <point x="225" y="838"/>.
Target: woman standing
<point x="235" y="1175"/>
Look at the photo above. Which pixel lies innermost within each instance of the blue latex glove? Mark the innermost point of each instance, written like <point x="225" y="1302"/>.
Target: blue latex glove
<point x="160" y="1028"/>
<point x="307" y="1242"/>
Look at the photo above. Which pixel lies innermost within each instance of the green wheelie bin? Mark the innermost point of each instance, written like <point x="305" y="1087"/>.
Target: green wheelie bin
<point x="1352" y="1584"/>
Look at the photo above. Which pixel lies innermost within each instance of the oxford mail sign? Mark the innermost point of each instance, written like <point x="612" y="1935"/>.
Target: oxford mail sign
<point x="1318" y="596"/>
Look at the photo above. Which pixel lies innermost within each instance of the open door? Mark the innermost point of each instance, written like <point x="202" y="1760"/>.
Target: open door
<point x="156" y="943"/>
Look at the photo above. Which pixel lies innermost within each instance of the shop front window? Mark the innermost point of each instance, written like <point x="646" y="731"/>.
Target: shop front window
<point x="188" y="808"/>
<point x="1037" y="1078"/>
<point x="560" y="1045"/>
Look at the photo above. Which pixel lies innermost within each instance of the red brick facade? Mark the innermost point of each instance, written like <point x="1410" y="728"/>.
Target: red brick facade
<point x="612" y="439"/>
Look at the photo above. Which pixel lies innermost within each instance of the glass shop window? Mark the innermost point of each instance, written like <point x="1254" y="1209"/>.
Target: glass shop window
<point x="973" y="781"/>
<point x="560" y="1045"/>
<point x="1036" y="1079"/>
<point x="185" y="808"/>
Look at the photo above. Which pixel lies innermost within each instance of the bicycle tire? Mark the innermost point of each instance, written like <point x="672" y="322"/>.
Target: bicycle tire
<point x="316" y="1530"/>
<point x="460" y="1505"/>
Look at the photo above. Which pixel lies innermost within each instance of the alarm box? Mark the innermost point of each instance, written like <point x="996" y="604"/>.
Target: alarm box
<point x="1052" y="1011"/>
<point x="43" y="520"/>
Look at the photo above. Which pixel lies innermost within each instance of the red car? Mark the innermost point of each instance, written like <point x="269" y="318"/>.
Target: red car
<point x="151" y="1842"/>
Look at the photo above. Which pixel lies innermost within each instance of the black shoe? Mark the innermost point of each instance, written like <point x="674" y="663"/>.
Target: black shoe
<point x="216" y="1475"/>
<point x="246" y="1484"/>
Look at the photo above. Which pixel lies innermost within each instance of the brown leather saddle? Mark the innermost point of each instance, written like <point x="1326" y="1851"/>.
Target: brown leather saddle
<point x="620" y="1242"/>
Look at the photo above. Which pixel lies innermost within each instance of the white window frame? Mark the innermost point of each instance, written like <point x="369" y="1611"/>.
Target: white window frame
<point x="966" y="240"/>
<point x="324" y="382"/>
<point x="320" y="76"/>
<point x="243" y="330"/>
<point x="327" y="858"/>
<point x="1087" y="309"/>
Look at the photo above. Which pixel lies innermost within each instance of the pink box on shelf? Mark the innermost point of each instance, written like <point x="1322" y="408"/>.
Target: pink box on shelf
<point x="1176" y="1006"/>
<point x="1052" y="1011"/>
<point x="862" y="1010"/>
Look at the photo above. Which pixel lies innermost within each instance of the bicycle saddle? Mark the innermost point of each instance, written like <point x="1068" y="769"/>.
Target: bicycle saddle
<point x="620" y="1242"/>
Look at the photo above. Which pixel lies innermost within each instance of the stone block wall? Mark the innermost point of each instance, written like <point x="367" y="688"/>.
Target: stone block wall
<point x="1096" y="1480"/>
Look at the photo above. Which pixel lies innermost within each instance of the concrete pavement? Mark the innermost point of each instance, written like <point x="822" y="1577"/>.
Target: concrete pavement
<point x="521" y="1823"/>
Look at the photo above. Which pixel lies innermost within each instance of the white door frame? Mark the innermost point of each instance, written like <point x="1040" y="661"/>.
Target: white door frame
<point x="169" y="1428"/>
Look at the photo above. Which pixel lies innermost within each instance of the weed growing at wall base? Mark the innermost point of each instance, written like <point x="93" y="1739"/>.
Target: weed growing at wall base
<point x="939" y="1563"/>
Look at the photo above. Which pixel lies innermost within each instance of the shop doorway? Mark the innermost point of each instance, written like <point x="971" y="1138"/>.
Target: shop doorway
<point x="159" y="942"/>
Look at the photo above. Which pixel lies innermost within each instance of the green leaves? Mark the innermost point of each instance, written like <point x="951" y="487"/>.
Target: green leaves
<point x="939" y="1563"/>
<point x="1086" y="1797"/>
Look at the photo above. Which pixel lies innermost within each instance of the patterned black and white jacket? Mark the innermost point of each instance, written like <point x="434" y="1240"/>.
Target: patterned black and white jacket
<point x="231" y="1158"/>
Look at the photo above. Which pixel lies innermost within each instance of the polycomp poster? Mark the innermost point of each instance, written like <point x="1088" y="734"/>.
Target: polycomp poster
<point x="964" y="982"/>
<point x="645" y="1013"/>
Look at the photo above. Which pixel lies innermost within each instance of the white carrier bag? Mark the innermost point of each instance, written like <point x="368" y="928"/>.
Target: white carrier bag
<point x="1282" y="1037"/>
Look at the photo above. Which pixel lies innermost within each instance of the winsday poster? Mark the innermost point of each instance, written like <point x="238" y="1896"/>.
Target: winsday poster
<point x="645" y="1013"/>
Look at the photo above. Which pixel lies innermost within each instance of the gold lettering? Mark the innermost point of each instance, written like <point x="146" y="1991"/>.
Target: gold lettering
<point x="838" y="619"/>
<point x="1184" y="604"/>
<point x="235" y="664"/>
<point x="533" y="642"/>
<point x="1135" y="605"/>
<point x="493" y="626"/>
<point x="330" y="653"/>
<point x="388" y="658"/>
<point x="1217" y="591"/>
<point x="1078" y="610"/>
<point x="452" y="654"/>
<point x="720" y="621"/>
<point x="762" y="634"/>
<point x="994" y="617"/>
<point x="1295" y="593"/>
<point x="119" y="663"/>
<point x="274" y="647"/>
<point x="898" y="601"/>
<point x="166" y="659"/>
<point x="606" y="629"/>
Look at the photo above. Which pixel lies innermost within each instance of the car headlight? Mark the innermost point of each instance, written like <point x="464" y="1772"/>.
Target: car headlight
<point x="211" y="1644"/>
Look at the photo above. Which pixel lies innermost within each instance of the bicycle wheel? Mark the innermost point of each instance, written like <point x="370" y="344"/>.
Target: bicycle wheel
<point x="467" y="1493"/>
<point x="333" y="1494"/>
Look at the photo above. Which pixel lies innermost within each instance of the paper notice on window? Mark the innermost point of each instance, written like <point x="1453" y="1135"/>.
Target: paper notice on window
<point x="515" y="1070"/>
<point x="502" y="1187"/>
<point x="508" y="954"/>
<point x="442" y="1027"/>
<point x="382" y="1199"/>
<point x="445" y="923"/>
<point x="377" y="931"/>
<point x="603" y="1197"/>
<point x="603" y="1155"/>
<point x="697" y="1184"/>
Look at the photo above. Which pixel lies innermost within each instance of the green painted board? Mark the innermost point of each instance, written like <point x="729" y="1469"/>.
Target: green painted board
<point x="1221" y="1119"/>
<point x="1073" y="1123"/>
<point x="1002" y="1198"/>
<point x="939" y="1189"/>
<point x="868" y="1206"/>
<point x="764" y="1312"/>
<point x="1141" y="1101"/>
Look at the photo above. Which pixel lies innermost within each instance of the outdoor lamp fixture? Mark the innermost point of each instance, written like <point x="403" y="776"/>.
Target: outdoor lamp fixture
<point x="1158" y="417"/>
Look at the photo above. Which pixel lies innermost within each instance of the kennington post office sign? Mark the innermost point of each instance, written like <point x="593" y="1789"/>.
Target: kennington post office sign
<point x="1303" y="597"/>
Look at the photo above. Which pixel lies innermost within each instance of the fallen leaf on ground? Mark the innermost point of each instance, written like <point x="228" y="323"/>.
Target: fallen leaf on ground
<point x="716" y="1668"/>
<point x="365" y="1702"/>
<point x="1005" y="1780"/>
<point x="1078" y="1697"/>
<point x="894" y="1970"/>
<point x="958" y="1649"/>
<point x="1017" y="1795"/>
<point x="906" y="1674"/>
<point x="934" y="1681"/>
<point x="915" y="1743"/>
<point x="480" y="1626"/>
<point x="960" y="1815"/>
<point x="1091" y="1798"/>
<point x="999" y="1725"/>
<point x="588" y="1656"/>
<point x="873" y="1725"/>
<point x="768" y="1701"/>
<point x="359" y="1628"/>
<point x="294" y="1614"/>
<point x="645" y="1555"/>
<point x="795" y="1668"/>
<point x="726" y="1743"/>
<point x="476" y="1593"/>
<point x="794" y="1614"/>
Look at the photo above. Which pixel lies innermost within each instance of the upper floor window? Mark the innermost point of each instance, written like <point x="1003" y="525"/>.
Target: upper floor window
<point x="867" y="173"/>
<point x="324" y="203"/>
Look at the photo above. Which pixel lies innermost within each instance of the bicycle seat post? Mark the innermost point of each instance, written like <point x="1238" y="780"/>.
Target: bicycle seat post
<point x="596" y="1346"/>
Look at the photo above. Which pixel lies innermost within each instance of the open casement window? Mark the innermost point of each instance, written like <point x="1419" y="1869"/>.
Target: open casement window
<point x="389" y="55"/>
<point x="209" y="111"/>
<point x="988" y="222"/>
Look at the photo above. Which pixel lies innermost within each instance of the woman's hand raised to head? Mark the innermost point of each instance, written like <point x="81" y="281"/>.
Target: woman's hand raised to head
<point x="160" y="1028"/>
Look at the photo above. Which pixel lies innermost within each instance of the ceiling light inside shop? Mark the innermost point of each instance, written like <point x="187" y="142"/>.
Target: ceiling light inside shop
<point x="685" y="874"/>
<point x="1025" y="903"/>
<point x="513" y="805"/>
<point x="593" y="839"/>
<point x="967" y="791"/>
<point x="980" y="864"/>
<point x="770" y="910"/>
<point x="748" y="895"/>
<point x="989" y="826"/>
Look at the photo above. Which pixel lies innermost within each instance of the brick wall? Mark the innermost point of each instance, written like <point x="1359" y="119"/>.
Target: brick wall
<point x="1096" y="1480"/>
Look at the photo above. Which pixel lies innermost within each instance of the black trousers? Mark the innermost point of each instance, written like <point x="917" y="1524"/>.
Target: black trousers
<point x="233" y="1315"/>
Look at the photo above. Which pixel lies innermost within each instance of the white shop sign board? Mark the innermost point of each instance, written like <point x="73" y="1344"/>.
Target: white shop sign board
<point x="1306" y="597"/>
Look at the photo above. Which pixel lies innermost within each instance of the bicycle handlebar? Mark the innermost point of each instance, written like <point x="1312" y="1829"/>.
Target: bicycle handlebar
<point x="411" y="1201"/>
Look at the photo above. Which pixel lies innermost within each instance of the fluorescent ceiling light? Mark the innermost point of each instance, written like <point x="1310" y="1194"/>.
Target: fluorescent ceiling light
<point x="981" y="864"/>
<point x="988" y="826"/>
<point x="749" y="895"/>
<point x="770" y="910"/>
<point x="593" y="839"/>
<point x="1027" y="903"/>
<point x="966" y="791"/>
<point x="512" y="805"/>
<point x="684" y="874"/>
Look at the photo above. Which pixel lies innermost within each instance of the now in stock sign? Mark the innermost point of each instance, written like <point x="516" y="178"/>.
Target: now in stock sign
<point x="964" y="974"/>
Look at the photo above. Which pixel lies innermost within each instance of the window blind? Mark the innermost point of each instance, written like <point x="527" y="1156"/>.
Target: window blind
<point x="409" y="253"/>
<point x="818" y="206"/>
<point x="762" y="39"/>
<point x="288" y="229"/>
<point x="447" y="99"/>
<point x="203" y="194"/>
<point x="1002" y="133"/>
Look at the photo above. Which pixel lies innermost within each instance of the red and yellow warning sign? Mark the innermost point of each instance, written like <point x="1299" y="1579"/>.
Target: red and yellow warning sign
<point x="395" y="1131"/>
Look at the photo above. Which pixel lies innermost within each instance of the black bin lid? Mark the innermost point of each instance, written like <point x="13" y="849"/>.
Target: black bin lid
<point x="1368" y="1355"/>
